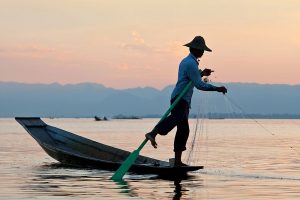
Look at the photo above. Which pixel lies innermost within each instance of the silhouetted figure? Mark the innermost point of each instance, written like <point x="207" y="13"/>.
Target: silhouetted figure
<point x="188" y="70"/>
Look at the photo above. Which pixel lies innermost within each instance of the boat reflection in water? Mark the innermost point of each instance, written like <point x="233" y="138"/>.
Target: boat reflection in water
<point x="62" y="180"/>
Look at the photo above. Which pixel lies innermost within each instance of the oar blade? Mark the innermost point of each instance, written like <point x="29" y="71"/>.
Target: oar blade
<point x="125" y="166"/>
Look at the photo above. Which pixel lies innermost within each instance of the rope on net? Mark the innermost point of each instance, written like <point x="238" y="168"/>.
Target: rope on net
<point x="245" y="115"/>
<point x="198" y="135"/>
<point x="198" y="147"/>
<point x="198" y="150"/>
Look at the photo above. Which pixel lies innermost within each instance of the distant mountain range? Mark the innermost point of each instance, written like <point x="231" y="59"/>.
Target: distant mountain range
<point x="90" y="99"/>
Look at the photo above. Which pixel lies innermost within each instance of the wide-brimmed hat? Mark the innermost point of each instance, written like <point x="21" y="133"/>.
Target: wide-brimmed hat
<point x="198" y="43"/>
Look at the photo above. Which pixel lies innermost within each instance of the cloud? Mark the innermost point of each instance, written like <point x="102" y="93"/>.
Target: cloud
<point x="139" y="44"/>
<point x="33" y="48"/>
<point x="139" y="48"/>
<point x="28" y="50"/>
<point x="137" y="37"/>
<point x="176" y="48"/>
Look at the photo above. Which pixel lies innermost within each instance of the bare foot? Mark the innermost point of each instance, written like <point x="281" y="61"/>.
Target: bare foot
<point x="150" y="136"/>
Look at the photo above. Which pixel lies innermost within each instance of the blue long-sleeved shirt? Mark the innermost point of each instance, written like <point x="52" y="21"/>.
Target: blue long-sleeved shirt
<point x="188" y="70"/>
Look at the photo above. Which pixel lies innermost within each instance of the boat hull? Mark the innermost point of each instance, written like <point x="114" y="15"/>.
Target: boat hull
<point x="71" y="149"/>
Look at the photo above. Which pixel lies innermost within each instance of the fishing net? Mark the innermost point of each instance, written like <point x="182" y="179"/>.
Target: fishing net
<point x="198" y="149"/>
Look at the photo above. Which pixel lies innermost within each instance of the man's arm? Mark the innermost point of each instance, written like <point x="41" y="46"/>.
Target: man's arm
<point x="195" y="77"/>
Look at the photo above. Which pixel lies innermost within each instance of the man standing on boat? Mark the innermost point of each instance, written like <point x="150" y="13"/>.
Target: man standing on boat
<point x="188" y="71"/>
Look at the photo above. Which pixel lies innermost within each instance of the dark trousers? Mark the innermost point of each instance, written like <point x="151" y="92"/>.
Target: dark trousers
<point x="178" y="117"/>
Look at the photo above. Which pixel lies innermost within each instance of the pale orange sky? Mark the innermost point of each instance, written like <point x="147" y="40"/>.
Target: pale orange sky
<point x="130" y="43"/>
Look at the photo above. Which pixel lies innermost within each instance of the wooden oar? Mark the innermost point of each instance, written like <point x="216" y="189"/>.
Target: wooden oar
<point x="133" y="156"/>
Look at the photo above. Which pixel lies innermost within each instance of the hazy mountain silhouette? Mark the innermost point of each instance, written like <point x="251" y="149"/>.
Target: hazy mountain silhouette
<point x="89" y="99"/>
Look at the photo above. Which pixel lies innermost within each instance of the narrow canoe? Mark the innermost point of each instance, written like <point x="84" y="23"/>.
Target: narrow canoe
<point x="74" y="150"/>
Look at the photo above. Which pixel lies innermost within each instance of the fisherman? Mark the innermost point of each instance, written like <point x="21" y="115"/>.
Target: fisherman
<point x="188" y="70"/>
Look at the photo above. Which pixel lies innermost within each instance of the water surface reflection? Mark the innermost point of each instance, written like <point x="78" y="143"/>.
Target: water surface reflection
<point x="61" y="180"/>
<point x="241" y="162"/>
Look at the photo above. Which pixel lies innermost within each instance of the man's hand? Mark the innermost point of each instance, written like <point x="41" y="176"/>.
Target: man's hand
<point x="222" y="89"/>
<point x="206" y="72"/>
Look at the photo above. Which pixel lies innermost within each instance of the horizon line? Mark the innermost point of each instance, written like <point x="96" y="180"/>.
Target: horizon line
<point x="101" y="84"/>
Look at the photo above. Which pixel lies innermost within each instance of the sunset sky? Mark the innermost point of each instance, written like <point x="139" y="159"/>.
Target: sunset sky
<point x="124" y="44"/>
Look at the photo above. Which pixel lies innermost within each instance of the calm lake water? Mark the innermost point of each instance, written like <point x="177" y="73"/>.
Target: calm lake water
<point x="242" y="159"/>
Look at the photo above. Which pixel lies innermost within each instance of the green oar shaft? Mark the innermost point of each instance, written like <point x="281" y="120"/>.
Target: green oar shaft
<point x="169" y="110"/>
<point x="133" y="156"/>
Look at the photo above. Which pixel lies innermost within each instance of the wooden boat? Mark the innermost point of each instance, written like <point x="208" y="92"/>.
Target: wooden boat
<point x="97" y="118"/>
<point x="72" y="149"/>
